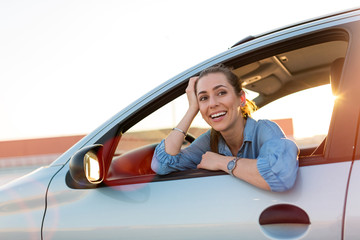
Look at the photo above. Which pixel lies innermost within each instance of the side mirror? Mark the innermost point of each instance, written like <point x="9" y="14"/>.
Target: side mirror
<point x="87" y="166"/>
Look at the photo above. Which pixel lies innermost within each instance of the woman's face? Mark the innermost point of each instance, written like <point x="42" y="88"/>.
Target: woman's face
<point x="218" y="103"/>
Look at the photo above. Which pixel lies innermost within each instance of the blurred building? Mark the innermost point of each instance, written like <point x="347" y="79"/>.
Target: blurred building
<point x="31" y="152"/>
<point x="43" y="151"/>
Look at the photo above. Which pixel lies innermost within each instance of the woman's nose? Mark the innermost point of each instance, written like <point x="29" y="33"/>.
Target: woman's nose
<point x="213" y="102"/>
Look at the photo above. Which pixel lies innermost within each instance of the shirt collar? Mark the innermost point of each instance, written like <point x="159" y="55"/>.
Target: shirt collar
<point x="249" y="129"/>
<point x="248" y="136"/>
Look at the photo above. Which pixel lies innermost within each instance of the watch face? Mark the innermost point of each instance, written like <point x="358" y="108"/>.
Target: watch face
<point x="231" y="165"/>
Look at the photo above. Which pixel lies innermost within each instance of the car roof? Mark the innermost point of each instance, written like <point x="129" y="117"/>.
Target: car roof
<point x="252" y="37"/>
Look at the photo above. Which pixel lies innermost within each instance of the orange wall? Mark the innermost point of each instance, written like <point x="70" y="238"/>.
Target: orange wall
<point x="40" y="146"/>
<point x="286" y="125"/>
<point x="58" y="145"/>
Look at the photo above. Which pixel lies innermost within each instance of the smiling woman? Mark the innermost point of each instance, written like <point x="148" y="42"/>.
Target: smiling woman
<point x="256" y="147"/>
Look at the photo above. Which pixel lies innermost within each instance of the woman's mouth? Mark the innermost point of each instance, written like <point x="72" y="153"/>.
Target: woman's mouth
<point x="218" y="115"/>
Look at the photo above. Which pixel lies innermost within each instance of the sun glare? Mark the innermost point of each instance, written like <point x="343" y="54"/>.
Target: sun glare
<point x="310" y="111"/>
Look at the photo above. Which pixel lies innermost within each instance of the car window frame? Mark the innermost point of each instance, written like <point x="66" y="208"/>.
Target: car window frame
<point x="245" y="58"/>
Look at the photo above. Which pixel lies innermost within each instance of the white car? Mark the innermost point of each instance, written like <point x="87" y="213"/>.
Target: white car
<point x="103" y="187"/>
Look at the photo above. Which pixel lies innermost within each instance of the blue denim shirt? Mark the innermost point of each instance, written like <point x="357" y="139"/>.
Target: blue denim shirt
<point x="263" y="140"/>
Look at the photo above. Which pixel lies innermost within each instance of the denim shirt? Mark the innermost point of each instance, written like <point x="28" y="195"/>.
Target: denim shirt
<point x="276" y="155"/>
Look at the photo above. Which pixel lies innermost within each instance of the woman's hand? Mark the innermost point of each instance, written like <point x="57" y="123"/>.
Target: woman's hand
<point x="246" y="168"/>
<point x="191" y="94"/>
<point x="175" y="139"/>
<point x="213" y="161"/>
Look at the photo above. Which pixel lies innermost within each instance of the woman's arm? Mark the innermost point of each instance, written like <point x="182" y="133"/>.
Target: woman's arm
<point x="175" y="139"/>
<point x="246" y="169"/>
<point x="274" y="169"/>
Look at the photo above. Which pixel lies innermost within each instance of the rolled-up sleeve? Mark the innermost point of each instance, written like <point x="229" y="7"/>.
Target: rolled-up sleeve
<point x="188" y="158"/>
<point x="278" y="163"/>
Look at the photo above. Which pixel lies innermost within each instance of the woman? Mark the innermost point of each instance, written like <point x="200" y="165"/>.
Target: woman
<point x="254" y="151"/>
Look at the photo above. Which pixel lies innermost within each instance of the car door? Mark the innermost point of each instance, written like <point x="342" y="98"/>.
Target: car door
<point x="352" y="213"/>
<point x="199" y="204"/>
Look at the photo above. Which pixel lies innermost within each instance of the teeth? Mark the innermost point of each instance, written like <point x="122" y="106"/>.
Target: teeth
<point x="218" y="114"/>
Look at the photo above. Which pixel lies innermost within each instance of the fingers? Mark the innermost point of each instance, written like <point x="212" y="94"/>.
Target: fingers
<point x="193" y="79"/>
<point x="207" y="161"/>
<point x="191" y="95"/>
<point x="214" y="161"/>
<point x="191" y="84"/>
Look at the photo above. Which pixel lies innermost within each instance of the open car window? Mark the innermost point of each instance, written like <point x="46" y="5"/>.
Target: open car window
<point x="132" y="158"/>
<point x="156" y="126"/>
<point x="293" y="88"/>
<point x="304" y="116"/>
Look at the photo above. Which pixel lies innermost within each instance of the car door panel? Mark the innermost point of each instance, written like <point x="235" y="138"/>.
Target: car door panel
<point x="22" y="204"/>
<point x="352" y="214"/>
<point x="196" y="208"/>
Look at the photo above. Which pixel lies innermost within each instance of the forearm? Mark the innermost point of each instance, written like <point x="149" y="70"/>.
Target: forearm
<point x="246" y="170"/>
<point x="175" y="139"/>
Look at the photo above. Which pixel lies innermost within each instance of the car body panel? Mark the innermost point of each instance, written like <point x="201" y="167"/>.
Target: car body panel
<point x="194" y="208"/>
<point x="352" y="215"/>
<point x="22" y="204"/>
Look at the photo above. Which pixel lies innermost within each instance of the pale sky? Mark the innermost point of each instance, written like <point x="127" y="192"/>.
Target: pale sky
<point x="66" y="66"/>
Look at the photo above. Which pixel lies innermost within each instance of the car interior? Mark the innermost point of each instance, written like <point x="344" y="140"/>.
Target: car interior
<point x="294" y="71"/>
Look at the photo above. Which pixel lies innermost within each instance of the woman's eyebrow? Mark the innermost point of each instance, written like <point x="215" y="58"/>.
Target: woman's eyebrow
<point x="201" y="92"/>
<point x="219" y="86"/>
<point x="214" y="88"/>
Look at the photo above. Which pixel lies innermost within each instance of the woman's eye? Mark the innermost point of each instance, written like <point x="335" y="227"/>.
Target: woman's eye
<point x="203" y="98"/>
<point x="222" y="93"/>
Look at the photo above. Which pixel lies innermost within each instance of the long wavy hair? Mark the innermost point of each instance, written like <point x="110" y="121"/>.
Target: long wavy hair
<point x="236" y="83"/>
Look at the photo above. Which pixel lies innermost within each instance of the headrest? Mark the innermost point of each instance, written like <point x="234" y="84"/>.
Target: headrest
<point x="335" y="74"/>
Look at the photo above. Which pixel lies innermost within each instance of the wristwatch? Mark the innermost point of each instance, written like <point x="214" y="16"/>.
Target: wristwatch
<point x="231" y="166"/>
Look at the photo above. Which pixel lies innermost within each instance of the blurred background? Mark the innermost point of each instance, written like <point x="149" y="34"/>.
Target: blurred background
<point x="60" y="59"/>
